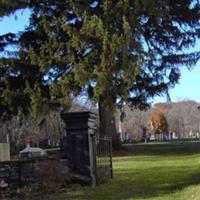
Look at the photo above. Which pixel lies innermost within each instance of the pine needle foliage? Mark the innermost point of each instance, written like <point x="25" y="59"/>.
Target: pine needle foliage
<point x="116" y="52"/>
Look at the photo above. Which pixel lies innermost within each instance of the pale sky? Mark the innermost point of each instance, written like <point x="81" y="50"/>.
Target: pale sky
<point x="187" y="89"/>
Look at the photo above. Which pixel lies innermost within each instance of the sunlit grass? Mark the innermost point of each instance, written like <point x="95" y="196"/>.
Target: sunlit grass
<point x="148" y="171"/>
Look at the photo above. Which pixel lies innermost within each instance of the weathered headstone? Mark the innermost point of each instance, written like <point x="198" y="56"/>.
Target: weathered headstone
<point x="80" y="144"/>
<point x="32" y="152"/>
<point x="174" y="137"/>
<point x="4" y="152"/>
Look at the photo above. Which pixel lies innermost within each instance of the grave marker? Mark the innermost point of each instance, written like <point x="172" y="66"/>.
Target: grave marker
<point x="4" y="152"/>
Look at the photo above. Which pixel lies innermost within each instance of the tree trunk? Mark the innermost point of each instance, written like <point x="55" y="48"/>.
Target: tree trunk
<point x="106" y="122"/>
<point x="107" y="126"/>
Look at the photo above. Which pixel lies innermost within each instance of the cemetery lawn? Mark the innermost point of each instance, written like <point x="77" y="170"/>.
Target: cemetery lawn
<point x="158" y="171"/>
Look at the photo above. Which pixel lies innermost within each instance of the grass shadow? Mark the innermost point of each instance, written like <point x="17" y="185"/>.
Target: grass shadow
<point x="143" y="171"/>
<point x="140" y="184"/>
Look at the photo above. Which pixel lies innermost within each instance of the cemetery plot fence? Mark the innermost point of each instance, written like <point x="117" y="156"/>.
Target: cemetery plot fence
<point x="104" y="169"/>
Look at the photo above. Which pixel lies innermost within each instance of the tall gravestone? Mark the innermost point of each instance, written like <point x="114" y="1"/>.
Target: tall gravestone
<point x="80" y="144"/>
<point x="4" y="152"/>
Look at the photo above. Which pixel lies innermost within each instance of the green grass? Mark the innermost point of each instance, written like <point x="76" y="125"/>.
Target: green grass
<point x="158" y="171"/>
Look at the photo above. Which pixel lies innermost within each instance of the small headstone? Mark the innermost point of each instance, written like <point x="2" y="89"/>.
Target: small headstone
<point x="152" y="137"/>
<point x="32" y="152"/>
<point x="174" y="135"/>
<point x="4" y="152"/>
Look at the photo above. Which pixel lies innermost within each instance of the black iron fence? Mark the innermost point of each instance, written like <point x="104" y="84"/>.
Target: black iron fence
<point x="104" y="168"/>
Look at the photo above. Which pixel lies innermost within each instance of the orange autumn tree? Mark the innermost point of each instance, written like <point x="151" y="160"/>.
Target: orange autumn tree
<point x="157" y="123"/>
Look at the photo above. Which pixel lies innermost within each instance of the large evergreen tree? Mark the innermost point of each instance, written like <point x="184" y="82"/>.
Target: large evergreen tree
<point x="116" y="52"/>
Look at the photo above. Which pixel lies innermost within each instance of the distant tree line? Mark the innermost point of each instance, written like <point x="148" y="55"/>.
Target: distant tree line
<point x="182" y="118"/>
